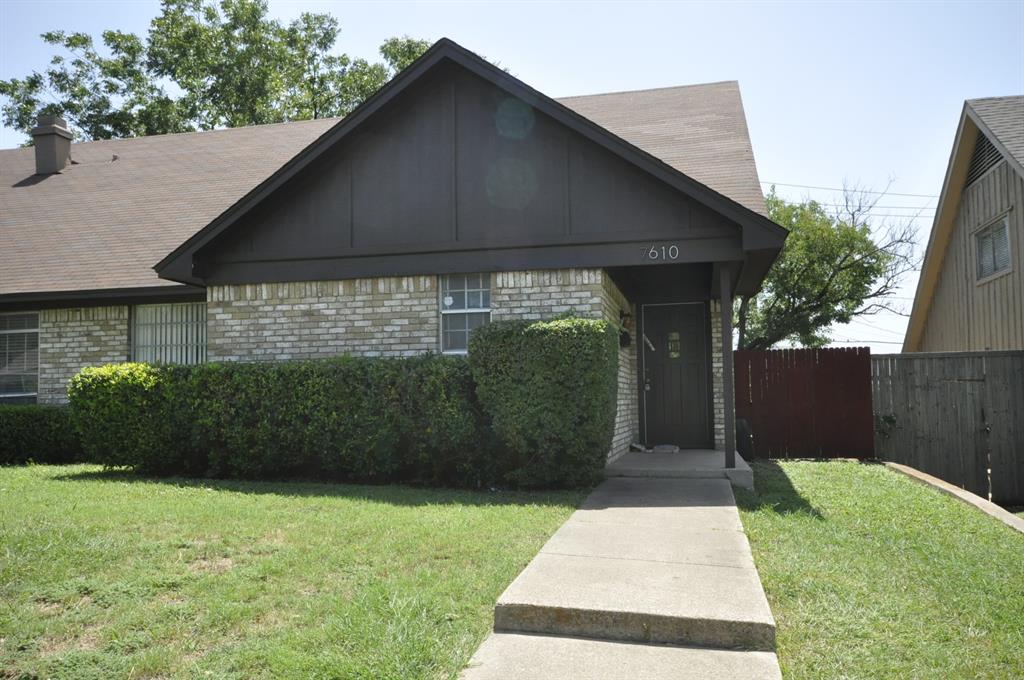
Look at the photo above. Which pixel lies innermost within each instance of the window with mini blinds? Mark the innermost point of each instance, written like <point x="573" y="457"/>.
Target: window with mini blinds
<point x="465" y="305"/>
<point x="169" y="333"/>
<point x="19" y="357"/>
<point x="993" y="248"/>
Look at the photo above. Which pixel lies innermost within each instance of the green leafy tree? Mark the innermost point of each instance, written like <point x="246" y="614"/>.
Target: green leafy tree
<point x="100" y="96"/>
<point x="204" y="64"/>
<point x="834" y="268"/>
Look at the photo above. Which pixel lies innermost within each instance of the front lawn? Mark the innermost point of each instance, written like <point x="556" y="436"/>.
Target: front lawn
<point x="872" y="575"/>
<point x="112" y="576"/>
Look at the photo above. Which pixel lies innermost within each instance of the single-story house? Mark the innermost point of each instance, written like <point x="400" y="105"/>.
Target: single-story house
<point x="455" y="196"/>
<point x="970" y="295"/>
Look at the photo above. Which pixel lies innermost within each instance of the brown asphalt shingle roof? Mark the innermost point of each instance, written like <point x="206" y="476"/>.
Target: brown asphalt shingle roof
<point x="1004" y="117"/>
<point x="700" y="130"/>
<point x="104" y="223"/>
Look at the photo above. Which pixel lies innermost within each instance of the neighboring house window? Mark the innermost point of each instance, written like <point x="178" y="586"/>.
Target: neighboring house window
<point x="993" y="245"/>
<point x="465" y="305"/>
<point x="19" y="356"/>
<point x="169" y="334"/>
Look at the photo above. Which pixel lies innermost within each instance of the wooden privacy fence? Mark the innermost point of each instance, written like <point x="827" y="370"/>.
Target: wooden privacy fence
<point x="806" y="403"/>
<point x="958" y="416"/>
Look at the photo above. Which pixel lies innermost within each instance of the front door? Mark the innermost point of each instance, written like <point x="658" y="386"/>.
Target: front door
<point x="675" y="375"/>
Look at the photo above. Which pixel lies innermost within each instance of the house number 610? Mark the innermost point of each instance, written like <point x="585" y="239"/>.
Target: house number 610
<point x="663" y="253"/>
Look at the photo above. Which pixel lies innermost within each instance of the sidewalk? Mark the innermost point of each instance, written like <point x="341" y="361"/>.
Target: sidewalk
<point x="651" y="578"/>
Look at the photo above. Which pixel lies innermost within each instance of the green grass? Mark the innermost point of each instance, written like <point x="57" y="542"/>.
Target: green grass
<point x="871" y="575"/>
<point x="106" y="575"/>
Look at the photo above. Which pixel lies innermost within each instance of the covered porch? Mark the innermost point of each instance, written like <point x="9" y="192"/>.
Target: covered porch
<point x="682" y="342"/>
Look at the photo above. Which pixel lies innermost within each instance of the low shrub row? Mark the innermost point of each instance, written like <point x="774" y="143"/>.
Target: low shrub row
<point x="41" y="434"/>
<point x="534" y="406"/>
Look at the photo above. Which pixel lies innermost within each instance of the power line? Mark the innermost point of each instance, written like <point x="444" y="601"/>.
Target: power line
<point x="867" y="342"/>
<point x="860" y="191"/>
<point x="876" y="328"/>
<point x="883" y="207"/>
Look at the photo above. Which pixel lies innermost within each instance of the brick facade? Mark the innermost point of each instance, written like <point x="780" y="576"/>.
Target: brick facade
<point x="627" y="413"/>
<point x="539" y="294"/>
<point x="717" y="395"/>
<point x="70" y="339"/>
<point x="315" y="319"/>
<point x="368" y="317"/>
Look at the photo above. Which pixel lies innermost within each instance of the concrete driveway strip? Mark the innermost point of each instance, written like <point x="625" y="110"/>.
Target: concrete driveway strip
<point x="644" y="563"/>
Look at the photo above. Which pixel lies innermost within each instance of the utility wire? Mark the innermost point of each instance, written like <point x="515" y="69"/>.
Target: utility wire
<point x="883" y="207"/>
<point x="867" y="342"/>
<point x="861" y="191"/>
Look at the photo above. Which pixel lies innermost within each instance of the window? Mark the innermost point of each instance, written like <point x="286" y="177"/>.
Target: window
<point x="19" y="356"/>
<point x="993" y="245"/>
<point x="465" y="305"/>
<point x="169" y="334"/>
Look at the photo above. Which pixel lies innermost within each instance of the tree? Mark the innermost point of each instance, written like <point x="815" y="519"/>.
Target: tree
<point x="834" y="268"/>
<point x="100" y="96"/>
<point x="226" y="62"/>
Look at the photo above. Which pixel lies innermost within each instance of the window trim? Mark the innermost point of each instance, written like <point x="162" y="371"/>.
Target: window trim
<point x="23" y="395"/>
<point x="467" y="310"/>
<point x="1003" y="217"/>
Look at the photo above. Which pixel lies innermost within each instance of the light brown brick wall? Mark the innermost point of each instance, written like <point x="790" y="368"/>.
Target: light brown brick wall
<point x="70" y="339"/>
<point x="541" y="294"/>
<point x="395" y="316"/>
<point x="717" y="396"/>
<point x="627" y="414"/>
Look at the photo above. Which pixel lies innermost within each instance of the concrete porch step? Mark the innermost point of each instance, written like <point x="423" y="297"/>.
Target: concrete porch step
<point x="684" y="464"/>
<point x="537" y="657"/>
<point x="646" y="560"/>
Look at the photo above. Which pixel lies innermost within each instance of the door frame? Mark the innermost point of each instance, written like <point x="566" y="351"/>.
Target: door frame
<point x="641" y="344"/>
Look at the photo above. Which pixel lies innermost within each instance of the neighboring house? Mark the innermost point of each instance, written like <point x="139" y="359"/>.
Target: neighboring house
<point x="455" y="196"/>
<point x="971" y="292"/>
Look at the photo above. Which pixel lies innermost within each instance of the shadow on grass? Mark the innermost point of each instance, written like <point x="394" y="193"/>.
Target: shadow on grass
<point x="774" y="492"/>
<point x="390" y="494"/>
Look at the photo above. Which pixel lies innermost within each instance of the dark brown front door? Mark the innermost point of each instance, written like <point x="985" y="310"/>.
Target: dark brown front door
<point x="675" y="375"/>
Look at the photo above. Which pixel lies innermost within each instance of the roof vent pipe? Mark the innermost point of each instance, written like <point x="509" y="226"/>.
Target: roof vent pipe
<point x="52" y="141"/>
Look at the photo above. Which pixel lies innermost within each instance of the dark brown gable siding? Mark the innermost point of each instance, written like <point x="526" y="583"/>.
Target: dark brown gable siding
<point x="456" y="165"/>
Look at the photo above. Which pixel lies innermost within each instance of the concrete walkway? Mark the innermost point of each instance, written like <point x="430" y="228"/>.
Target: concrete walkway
<point x="650" y="578"/>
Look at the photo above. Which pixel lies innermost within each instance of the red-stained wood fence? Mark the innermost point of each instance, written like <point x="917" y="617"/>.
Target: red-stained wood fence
<point x="806" y="403"/>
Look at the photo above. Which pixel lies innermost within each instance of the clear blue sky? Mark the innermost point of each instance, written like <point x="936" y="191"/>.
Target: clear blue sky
<point x="863" y="92"/>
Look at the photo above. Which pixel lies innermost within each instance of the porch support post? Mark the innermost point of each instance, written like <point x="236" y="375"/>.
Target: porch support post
<point x="725" y="274"/>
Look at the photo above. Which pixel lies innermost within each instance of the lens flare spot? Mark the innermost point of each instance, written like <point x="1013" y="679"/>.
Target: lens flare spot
<point x="514" y="118"/>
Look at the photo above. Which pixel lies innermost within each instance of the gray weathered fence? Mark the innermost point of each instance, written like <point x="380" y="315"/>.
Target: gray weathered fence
<point x="958" y="416"/>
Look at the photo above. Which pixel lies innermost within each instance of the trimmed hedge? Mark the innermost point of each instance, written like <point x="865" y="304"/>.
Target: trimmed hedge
<point x="535" y="406"/>
<point x="363" y="419"/>
<point x="41" y="434"/>
<point x="550" y="389"/>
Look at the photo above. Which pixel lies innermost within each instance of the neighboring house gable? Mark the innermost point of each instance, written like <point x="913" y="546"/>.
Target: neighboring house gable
<point x="971" y="292"/>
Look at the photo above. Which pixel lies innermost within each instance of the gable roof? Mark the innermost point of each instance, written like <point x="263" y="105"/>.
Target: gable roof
<point x="705" y="136"/>
<point x="758" y="232"/>
<point x="101" y="224"/>
<point x="1001" y="120"/>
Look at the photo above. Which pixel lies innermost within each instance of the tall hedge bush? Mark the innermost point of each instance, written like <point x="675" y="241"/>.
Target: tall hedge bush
<point x="534" y="406"/>
<point x="37" y="433"/>
<point x="550" y="390"/>
<point x="364" y="419"/>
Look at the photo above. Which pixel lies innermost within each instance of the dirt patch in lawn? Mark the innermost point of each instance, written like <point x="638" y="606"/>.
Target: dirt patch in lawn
<point x="215" y="565"/>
